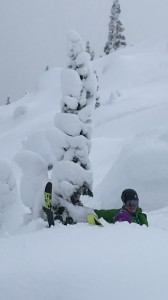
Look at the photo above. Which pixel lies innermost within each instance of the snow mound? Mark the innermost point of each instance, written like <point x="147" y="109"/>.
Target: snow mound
<point x="141" y="165"/>
<point x="8" y="187"/>
<point x="33" y="180"/>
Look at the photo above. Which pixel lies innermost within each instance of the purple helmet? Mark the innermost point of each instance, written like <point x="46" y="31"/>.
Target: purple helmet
<point x="123" y="215"/>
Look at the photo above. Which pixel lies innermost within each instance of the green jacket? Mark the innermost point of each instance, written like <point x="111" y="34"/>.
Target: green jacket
<point x="109" y="215"/>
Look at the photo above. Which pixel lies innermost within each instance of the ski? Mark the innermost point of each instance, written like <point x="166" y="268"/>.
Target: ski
<point x="48" y="203"/>
<point x="93" y="220"/>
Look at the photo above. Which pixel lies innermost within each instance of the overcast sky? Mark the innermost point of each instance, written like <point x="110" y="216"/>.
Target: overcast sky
<point x="33" y="33"/>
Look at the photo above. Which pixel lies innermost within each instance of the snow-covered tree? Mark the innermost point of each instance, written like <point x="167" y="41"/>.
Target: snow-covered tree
<point x="34" y="178"/>
<point x="97" y="104"/>
<point x="92" y="55"/>
<point x="79" y="60"/>
<point x="8" y="192"/>
<point x="90" y="50"/>
<point x="8" y="187"/>
<point x="116" y="38"/>
<point x="8" y="100"/>
<point x="72" y="176"/>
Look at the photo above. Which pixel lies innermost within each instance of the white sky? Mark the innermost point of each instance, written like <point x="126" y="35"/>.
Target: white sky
<point x="33" y="33"/>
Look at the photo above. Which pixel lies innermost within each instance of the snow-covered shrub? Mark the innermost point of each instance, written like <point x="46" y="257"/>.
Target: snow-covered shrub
<point x="33" y="180"/>
<point x="8" y="193"/>
<point x="38" y="143"/>
<point x="8" y="187"/>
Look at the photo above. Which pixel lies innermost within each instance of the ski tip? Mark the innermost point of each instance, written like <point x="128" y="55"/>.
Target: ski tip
<point x="49" y="183"/>
<point x="48" y="186"/>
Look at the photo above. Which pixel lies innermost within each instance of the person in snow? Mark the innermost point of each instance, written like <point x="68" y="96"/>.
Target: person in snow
<point x="130" y="211"/>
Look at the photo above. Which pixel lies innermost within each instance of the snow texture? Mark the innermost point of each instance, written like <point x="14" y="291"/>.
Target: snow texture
<point x="68" y="123"/>
<point x="75" y="46"/>
<point x="20" y="111"/>
<point x="33" y="180"/>
<point x="68" y="177"/>
<point x="38" y="143"/>
<point x="70" y="83"/>
<point x="129" y="149"/>
<point x="8" y="187"/>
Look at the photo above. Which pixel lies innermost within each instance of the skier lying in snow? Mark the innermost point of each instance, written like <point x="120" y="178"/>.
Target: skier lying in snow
<point x="130" y="211"/>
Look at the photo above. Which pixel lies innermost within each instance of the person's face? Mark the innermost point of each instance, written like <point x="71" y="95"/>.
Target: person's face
<point x="131" y="205"/>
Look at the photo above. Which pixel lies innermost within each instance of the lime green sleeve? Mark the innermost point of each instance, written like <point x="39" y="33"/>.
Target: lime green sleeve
<point x="106" y="214"/>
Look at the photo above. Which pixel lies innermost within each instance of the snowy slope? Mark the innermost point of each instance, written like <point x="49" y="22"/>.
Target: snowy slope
<point x="129" y="149"/>
<point x="136" y="92"/>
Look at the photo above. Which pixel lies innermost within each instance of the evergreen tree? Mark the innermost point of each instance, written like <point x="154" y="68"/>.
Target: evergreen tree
<point x="90" y="50"/>
<point x="79" y="87"/>
<point x="116" y="38"/>
<point x="97" y="104"/>
<point x="8" y="100"/>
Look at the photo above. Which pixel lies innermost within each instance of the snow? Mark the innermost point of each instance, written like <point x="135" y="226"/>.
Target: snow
<point x="74" y="125"/>
<point x="75" y="44"/>
<point x="143" y="164"/>
<point x="32" y="143"/>
<point x="58" y="263"/>
<point x="68" y="177"/>
<point x="82" y="59"/>
<point x="129" y="149"/>
<point x="8" y="187"/>
<point x="33" y="180"/>
<point x="71" y="83"/>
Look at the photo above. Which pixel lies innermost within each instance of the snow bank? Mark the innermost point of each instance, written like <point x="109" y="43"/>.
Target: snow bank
<point x="11" y="210"/>
<point x="8" y="187"/>
<point x="38" y="143"/>
<point x="141" y="165"/>
<point x="33" y="180"/>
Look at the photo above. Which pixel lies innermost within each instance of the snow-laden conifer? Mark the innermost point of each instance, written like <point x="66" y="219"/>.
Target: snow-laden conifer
<point x="8" y="100"/>
<point x="8" y="193"/>
<point x="90" y="50"/>
<point x="72" y="175"/>
<point x="97" y="103"/>
<point x="116" y="38"/>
